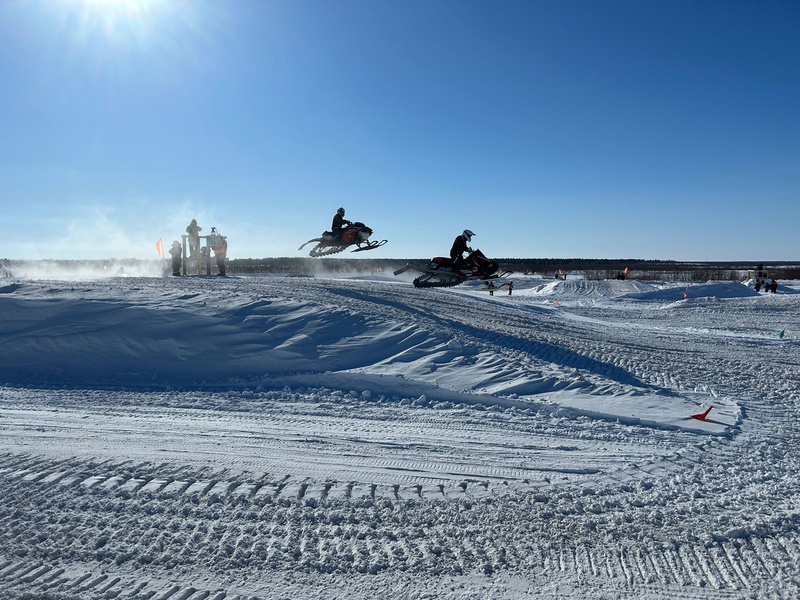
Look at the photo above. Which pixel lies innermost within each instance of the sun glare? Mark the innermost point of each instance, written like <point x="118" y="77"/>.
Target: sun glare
<point x="122" y="41"/>
<point x="127" y="4"/>
<point x="121" y="8"/>
<point x="116" y="23"/>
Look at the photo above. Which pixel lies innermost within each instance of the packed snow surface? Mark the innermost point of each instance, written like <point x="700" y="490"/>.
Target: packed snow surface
<point x="296" y="437"/>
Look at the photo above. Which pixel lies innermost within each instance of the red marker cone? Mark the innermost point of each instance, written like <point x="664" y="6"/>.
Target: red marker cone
<point x="702" y="416"/>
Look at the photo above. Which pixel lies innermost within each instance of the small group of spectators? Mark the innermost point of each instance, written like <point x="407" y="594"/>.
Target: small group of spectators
<point x="218" y="243"/>
<point x="767" y="286"/>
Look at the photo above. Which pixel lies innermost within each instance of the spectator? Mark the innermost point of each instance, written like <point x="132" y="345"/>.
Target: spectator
<point x="221" y="253"/>
<point x="177" y="253"/>
<point x="758" y="285"/>
<point x="193" y="229"/>
<point x="773" y="286"/>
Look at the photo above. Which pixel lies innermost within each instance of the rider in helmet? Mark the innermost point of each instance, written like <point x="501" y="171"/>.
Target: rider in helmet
<point x="460" y="245"/>
<point x="338" y="222"/>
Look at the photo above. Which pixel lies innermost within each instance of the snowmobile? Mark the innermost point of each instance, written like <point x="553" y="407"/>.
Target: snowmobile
<point x="355" y="233"/>
<point x="439" y="272"/>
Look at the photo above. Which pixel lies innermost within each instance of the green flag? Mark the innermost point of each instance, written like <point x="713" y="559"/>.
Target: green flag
<point x="780" y="335"/>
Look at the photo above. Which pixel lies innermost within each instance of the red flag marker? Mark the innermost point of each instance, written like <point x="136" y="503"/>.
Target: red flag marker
<point x="702" y="416"/>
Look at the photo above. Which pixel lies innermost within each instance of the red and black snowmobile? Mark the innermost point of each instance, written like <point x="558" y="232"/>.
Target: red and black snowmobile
<point x="353" y="234"/>
<point x="439" y="272"/>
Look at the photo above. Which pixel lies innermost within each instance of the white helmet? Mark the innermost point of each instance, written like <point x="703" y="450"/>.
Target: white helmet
<point x="468" y="235"/>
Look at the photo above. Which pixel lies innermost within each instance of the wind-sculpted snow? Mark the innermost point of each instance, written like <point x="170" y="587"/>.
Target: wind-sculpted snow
<point x="716" y="290"/>
<point x="272" y="437"/>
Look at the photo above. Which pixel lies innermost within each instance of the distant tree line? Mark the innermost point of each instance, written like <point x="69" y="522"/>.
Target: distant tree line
<point x="591" y="268"/>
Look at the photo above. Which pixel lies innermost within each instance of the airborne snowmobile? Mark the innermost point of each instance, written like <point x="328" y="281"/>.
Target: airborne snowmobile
<point x="439" y="272"/>
<point x="355" y="233"/>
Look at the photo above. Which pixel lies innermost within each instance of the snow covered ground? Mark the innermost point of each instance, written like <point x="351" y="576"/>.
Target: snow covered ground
<point x="278" y="437"/>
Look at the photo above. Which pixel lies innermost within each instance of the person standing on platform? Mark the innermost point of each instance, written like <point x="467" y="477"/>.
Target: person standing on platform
<point x="193" y="229"/>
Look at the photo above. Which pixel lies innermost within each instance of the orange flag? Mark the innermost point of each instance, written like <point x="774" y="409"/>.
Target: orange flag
<point x="626" y="270"/>
<point x="160" y="248"/>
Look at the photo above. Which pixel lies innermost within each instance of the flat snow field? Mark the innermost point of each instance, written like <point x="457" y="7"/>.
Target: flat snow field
<point x="355" y="438"/>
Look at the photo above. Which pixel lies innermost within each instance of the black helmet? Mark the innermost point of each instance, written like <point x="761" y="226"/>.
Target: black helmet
<point x="468" y="235"/>
<point x="340" y="211"/>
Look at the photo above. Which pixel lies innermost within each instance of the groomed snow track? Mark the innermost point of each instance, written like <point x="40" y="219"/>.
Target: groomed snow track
<point x="228" y="491"/>
<point x="109" y="516"/>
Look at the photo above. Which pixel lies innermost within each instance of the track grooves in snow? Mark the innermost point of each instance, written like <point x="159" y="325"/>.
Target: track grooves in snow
<point x="363" y="529"/>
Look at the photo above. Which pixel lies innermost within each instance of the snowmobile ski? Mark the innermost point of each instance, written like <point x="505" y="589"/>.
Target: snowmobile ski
<point x="370" y="245"/>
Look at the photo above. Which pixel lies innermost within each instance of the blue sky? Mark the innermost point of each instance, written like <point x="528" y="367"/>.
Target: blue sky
<point x="613" y="129"/>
